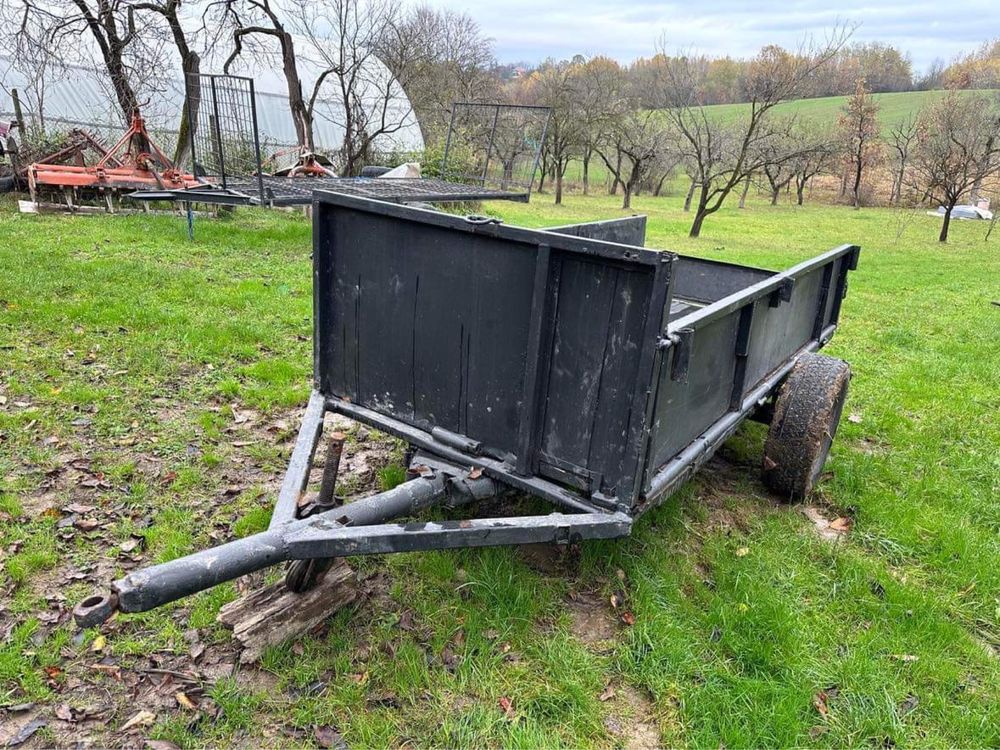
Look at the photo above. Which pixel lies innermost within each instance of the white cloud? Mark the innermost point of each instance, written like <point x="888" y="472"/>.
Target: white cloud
<point x="531" y="31"/>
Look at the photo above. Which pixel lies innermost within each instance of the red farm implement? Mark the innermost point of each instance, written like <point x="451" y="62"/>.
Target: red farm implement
<point x="135" y="162"/>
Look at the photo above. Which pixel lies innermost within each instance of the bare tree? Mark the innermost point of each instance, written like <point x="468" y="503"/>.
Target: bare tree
<point x="129" y="58"/>
<point x="724" y="154"/>
<point x="250" y="19"/>
<point x="439" y="56"/>
<point x="859" y="129"/>
<point x="959" y="148"/>
<point x="814" y="157"/>
<point x="554" y="85"/>
<point x="169" y="11"/>
<point x="631" y="146"/>
<point x="371" y="108"/>
<point x="32" y="59"/>
<point x="601" y="96"/>
<point x="901" y="140"/>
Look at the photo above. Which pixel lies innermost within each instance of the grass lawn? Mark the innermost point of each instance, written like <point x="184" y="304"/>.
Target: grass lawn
<point x="150" y="389"/>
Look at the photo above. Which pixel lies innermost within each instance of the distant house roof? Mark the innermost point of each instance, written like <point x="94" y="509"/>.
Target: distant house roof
<point x="79" y="96"/>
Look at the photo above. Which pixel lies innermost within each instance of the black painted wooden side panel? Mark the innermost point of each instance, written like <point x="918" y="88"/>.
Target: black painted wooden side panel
<point x="429" y="331"/>
<point x="684" y="410"/>
<point x="594" y="357"/>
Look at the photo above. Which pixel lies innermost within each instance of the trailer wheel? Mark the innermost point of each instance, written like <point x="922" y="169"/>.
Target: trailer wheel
<point x="806" y="414"/>
<point x="303" y="575"/>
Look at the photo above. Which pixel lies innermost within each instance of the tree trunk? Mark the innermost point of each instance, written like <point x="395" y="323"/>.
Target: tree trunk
<point x="191" y="70"/>
<point x="618" y="171"/>
<point x="774" y="194"/>
<point x="857" y="182"/>
<point x="699" y="219"/>
<point x="690" y="195"/>
<point x="559" y="184"/>
<point x="700" y="213"/>
<point x="943" y="237"/>
<point x="743" y="195"/>
<point x="659" y="185"/>
<point x="586" y="171"/>
<point x="800" y="186"/>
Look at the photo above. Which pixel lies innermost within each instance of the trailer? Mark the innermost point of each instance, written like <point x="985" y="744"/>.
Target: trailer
<point x="571" y="364"/>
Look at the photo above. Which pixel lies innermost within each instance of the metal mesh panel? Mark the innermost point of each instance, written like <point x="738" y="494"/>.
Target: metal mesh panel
<point x="223" y="130"/>
<point x="494" y="145"/>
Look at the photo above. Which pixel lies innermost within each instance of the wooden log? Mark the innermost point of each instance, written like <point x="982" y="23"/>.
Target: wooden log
<point x="274" y="614"/>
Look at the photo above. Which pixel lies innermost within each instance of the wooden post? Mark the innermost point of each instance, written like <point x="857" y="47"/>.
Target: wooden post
<point x="18" y="115"/>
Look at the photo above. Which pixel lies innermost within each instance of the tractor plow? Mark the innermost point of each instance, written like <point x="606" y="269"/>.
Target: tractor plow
<point x="135" y="162"/>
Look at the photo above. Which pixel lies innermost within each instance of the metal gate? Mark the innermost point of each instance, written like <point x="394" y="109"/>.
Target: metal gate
<point x="495" y="145"/>
<point x="222" y="127"/>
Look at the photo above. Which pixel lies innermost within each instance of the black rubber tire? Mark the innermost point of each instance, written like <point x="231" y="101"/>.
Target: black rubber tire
<point x="373" y="171"/>
<point x="806" y="414"/>
<point x="7" y="184"/>
<point x="302" y="575"/>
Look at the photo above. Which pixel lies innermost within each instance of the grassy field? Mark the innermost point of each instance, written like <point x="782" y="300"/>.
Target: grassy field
<point x="150" y="389"/>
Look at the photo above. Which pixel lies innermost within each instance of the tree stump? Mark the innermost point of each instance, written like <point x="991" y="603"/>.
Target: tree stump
<point x="274" y="614"/>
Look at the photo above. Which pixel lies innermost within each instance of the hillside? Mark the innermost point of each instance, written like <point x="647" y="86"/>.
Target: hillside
<point x="892" y="107"/>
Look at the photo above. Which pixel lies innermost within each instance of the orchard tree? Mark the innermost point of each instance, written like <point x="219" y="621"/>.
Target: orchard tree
<point x="632" y="146"/>
<point x="901" y="141"/>
<point x="959" y="148"/>
<point x="721" y="154"/>
<point x="859" y="131"/>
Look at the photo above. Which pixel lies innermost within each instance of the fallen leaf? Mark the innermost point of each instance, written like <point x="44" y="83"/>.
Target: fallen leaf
<point x="64" y="712"/>
<point x="141" y="719"/>
<point x="160" y="745"/>
<point x="185" y="702"/>
<point x="52" y="672"/>
<point x="841" y="524"/>
<point x="906" y="658"/>
<point x="508" y="706"/>
<point x="743" y="552"/>
<point x="628" y="618"/>
<point x="130" y="544"/>
<point x="854" y="418"/>
<point x="78" y="508"/>
<point x="243" y="443"/>
<point x="99" y="644"/>
<point x="819" y="703"/>
<point x="607" y="694"/>
<point x="329" y="737"/>
<point x="86" y="524"/>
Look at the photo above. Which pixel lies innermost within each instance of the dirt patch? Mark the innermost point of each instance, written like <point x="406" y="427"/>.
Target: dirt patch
<point x="632" y="720"/>
<point x="729" y="507"/>
<point x="831" y="530"/>
<point x="591" y="619"/>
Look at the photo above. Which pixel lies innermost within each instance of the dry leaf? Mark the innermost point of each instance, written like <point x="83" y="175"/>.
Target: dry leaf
<point x="508" y="707"/>
<point x="141" y="719"/>
<point x="328" y="737"/>
<point x="185" y="702"/>
<point x="842" y="524"/>
<point x="854" y="418"/>
<point x="628" y="618"/>
<point x="907" y="658"/>
<point x="607" y="694"/>
<point x="819" y="702"/>
<point x="100" y="642"/>
<point x="743" y="552"/>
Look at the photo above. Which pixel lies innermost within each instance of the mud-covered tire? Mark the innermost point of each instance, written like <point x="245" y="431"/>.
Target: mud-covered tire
<point x="806" y="414"/>
<point x="302" y="575"/>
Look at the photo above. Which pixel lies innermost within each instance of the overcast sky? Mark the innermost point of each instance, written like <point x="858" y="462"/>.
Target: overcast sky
<point x="530" y="30"/>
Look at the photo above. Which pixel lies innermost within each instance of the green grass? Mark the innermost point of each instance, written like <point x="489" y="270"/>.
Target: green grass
<point x="132" y="347"/>
<point x="892" y="107"/>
